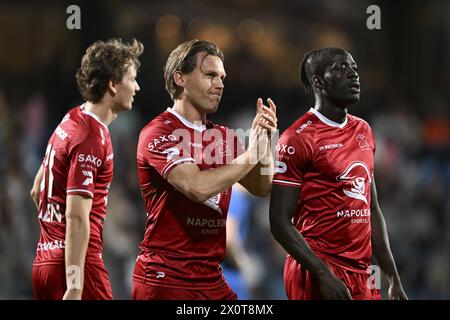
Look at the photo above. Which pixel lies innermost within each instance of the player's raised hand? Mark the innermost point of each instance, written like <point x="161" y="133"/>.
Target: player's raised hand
<point x="268" y="114"/>
<point x="256" y="152"/>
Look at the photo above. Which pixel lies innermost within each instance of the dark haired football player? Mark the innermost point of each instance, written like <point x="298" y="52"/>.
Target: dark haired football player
<point x="324" y="209"/>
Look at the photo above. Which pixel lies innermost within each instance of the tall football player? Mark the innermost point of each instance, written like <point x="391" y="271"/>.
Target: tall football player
<point x="325" y="182"/>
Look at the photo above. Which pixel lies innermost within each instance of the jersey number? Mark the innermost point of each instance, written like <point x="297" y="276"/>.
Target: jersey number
<point x="53" y="210"/>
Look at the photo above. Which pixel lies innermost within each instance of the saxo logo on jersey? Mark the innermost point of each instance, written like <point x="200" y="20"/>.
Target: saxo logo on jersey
<point x="89" y="159"/>
<point x="359" y="178"/>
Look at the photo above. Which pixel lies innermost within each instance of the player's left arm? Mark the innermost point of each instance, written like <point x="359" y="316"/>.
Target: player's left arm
<point x="382" y="250"/>
<point x="259" y="180"/>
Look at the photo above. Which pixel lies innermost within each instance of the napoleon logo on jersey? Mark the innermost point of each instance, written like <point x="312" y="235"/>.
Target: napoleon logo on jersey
<point x="359" y="179"/>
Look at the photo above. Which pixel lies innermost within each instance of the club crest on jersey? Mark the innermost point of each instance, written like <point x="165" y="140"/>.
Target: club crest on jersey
<point x="358" y="175"/>
<point x="223" y="148"/>
<point x="363" y="143"/>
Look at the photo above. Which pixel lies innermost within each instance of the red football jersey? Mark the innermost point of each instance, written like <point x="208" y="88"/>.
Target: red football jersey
<point x="185" y="239"/>
<point x="78" y="160"/>
<point x="332" y="164"/>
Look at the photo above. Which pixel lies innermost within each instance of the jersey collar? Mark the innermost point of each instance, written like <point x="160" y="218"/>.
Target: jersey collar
<point x="186" y="122"/>
<point x="327" y="121"/>
<point x="93" y="115"/>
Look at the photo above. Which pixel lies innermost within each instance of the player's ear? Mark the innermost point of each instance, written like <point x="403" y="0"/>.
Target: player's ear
<point x="178" y="78"/>
<point x="112" y="87"/>
<point x="317" y="82"/>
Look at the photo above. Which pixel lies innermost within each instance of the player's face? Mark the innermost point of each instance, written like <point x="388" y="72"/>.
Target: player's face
<point x="342" y="80"/>
<point x="204" y="86"/>
<point x="126" y="89"/>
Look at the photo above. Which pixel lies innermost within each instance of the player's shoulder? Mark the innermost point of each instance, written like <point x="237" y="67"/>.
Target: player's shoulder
<point x="86" y="127"/>
<point x="359" y="122"/>
<point x="303" y="128"/>
<point x="162" y="124"/>
<point x="72" y="126"/>
<point x="73" y="115"/>
<point x="216" y="126"/>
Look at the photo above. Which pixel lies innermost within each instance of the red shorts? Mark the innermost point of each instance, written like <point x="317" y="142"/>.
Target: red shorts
<point x="142" y="291"/>
<point x="49" y="282"/>
<point x="300" y="284"/>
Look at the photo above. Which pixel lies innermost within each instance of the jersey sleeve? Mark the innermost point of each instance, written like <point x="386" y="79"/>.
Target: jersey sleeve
<point x="292" y="156"/>
<point x="164" y="148"/>
<point x="374" y="140"/>
<point x="87" y="158"/>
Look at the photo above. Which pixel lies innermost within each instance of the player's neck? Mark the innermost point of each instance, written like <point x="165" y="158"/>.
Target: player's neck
<point x="104" y="114"/>
<point x="330" y="111"/>
<point x="189" y="112"/>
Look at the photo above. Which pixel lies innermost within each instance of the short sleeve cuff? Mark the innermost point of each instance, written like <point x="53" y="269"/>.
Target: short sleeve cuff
<point x="171" y="165"/>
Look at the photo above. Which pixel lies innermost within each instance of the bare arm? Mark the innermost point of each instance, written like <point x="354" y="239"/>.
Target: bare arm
<point x="36" y="189"/>
<point x="200" y="185"/>
<point x="259" y="180"/>
<point x="381" y="248"/>
<point x="283" y="203"/>
<point x="77" y="239"/>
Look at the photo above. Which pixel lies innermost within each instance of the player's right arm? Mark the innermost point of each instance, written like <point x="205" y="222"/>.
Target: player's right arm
<point x="76" y="243"/>
<point x="200" y="185"/>
<point x="294" y="156"/>
<point x="36" y="189"/>
<point x="283" y="203"/>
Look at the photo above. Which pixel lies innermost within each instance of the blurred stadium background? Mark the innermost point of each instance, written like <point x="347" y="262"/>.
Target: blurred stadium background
<point x="405" y="76"/>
